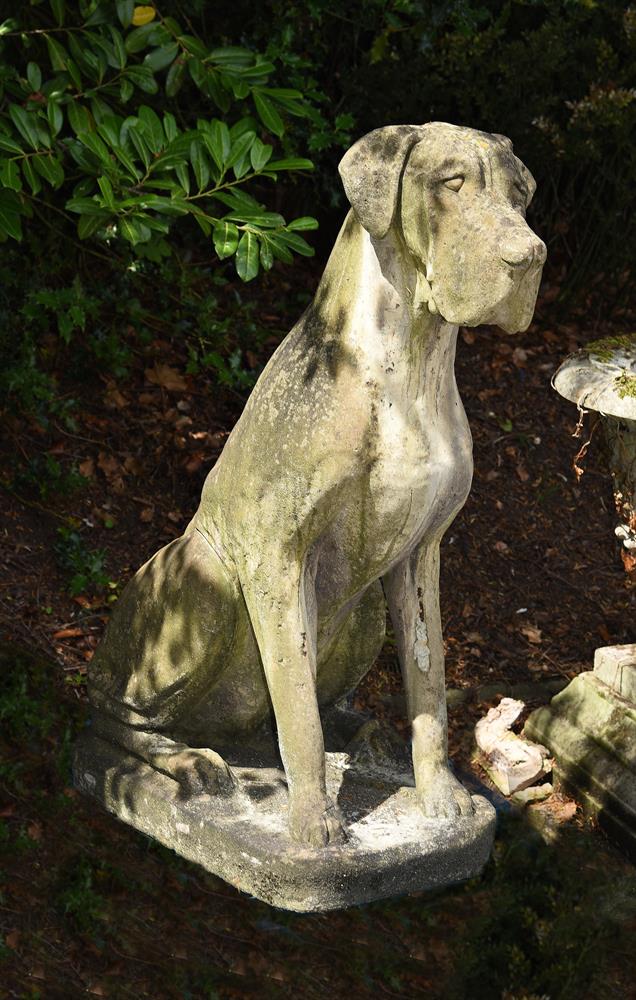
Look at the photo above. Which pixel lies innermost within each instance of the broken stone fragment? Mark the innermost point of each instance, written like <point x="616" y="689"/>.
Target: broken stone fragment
<point x="534" y="793"/>
<point x="616" y="667"/>
<point x="512" y="763"/>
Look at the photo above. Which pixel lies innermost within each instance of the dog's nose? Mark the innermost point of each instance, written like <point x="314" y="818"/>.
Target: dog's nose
<point x="522" y="250"/>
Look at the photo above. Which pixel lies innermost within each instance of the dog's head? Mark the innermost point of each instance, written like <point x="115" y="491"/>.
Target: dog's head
<point x="458" y="198"/>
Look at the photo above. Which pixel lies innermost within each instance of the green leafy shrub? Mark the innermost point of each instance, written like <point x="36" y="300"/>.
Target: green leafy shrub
<point x="557" y="76"/>
<point x="79" y="135"/>
<point x="85" y="567"/>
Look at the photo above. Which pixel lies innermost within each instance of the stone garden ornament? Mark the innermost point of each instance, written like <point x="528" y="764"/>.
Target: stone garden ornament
<point x="328" y="503"/>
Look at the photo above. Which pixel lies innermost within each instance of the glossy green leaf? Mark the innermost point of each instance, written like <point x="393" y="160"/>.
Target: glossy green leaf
<point x="267" y="256"/>
<point x="297" y="244"/>
<point x="74" y="73"/>
<point x="218" y="142"/>
<point x="55" y="117"/>
<point x="159" y="58"/>
<point x="240" y="148"/>
<point x="279" y="249"/>
<point x="79" y="117"/>
<point x="31" y="177"/>
<point x="9" y="144"/>
<point x="268" y="114"/>
<point x="134" y="230"/>
<point x="138" y="38"/>
<point x="260" y="154"/>
<point x="125" y="10"/>
<point x="10" y="175"/>
<point x="143" y="78"/>
<point x="304" y="222"/>
<point x="232" y="57"/>
<point x="247" y="257"/>
<point x="170" y="127"/>
<point x="194" y="46"/>
<point x="174" y="79"/>
<point x="25" y="123"/>
<point x="126" y="91"/>
<point x="10" y="222"/>
<point x="199" y="163"/>
<point x="57" y="54"/>
<point x="50" y="169"/>
<point x="296" y="163"/>
<point x="58" y="8"/>
<point x="121" y="56"/>
<point x="88" y="225"/>
<point x="152" y="129"/>
<point x="107" y="192"/>
<point x="34" y="76"/>
<point x="226" y="237"/>
<point x="183" y="174"/>
<point x="93" y="142"/>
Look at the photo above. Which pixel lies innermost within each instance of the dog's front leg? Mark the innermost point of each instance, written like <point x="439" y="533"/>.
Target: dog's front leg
<point x="412" y="593"/>
<point x="281" y="605"/>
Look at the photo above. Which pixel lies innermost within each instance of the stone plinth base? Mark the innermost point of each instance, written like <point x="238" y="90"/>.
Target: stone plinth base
<point x="591" y="730"/>
<point x="393" y="849"/>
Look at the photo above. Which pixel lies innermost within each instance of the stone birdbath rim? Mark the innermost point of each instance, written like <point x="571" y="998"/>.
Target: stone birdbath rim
<point x="602" y="377"/>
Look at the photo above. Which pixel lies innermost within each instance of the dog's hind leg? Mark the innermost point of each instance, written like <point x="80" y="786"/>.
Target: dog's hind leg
<point x="169" y="638"/>
<point x="198" y="770"/>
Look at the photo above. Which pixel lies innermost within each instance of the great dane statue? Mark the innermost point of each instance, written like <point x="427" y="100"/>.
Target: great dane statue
<point x="333" y="491"/>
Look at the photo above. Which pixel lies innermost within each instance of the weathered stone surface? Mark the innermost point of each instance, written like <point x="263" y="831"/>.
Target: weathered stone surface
<point x="511" y="762"/>
<point x="244" y="838"/>
<point x="350" y="460"/>
<point x="616" y="666"/>
<point x="591" y="732"/>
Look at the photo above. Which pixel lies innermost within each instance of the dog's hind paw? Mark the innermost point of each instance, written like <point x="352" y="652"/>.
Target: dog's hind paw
<point x="444" y="797"/>
<point x="198" y="771"/>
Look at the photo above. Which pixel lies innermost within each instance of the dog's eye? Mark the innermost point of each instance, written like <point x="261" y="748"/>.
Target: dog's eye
<point x="454" y="183"/>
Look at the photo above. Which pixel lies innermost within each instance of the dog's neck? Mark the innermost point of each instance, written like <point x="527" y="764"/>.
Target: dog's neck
<point x="375" y="299"/>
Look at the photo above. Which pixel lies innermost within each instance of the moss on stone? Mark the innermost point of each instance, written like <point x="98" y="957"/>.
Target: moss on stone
<point x="605" y="348"/>
<point x="626" y="385"/>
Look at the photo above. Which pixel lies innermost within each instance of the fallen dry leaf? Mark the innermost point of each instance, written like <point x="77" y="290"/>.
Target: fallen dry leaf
<point x="519" y="357"/>
<point x="67" y="633"/>
<point x="114" y="399"/>
<point x="522" y="472"/>
<point x="108" y="464"/>
<point x="12" y="939"/>
<point x="167" y="377"/>
<point x="146" y="515"/>
<point x="532" y="634"/>
<point x="87" y="468"/>
<point x="501" y="547"/>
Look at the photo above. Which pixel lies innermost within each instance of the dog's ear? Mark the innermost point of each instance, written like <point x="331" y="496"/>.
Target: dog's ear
<point x="371" y="172"/>
<point x="531" y="184"/>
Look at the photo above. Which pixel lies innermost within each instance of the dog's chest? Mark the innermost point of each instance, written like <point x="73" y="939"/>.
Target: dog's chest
<point x="423" y="468"/>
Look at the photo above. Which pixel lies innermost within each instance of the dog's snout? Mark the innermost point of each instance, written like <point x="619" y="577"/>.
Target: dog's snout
<point x="522" y="250"/>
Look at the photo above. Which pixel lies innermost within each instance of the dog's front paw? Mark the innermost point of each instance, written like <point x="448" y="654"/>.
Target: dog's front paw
<point x="442" y="796"/>
<point x="316" y="825"/>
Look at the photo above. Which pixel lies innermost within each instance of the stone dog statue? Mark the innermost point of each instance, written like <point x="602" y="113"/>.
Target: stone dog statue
<point x="329" y="501"/>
